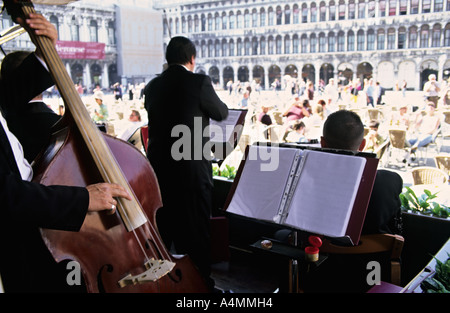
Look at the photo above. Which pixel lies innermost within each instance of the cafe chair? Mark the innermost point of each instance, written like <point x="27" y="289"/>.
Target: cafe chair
<point x="397" y="140"/>
<point x="373" y="244"/>
<point x="443" y="162"/>
<point x="426" y="175"/>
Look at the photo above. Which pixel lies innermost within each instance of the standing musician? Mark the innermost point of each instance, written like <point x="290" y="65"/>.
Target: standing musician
<point x="179" y="105"/>
<point x="25" y="263"/>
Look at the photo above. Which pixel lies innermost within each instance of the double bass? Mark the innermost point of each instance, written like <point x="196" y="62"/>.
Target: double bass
<point x="120" y="252"/>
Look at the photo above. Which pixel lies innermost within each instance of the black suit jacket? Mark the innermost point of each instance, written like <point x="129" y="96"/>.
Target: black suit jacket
<point x="179" y="105"/>
<point x="25" y="262"/>
<point x="384" y="209"/>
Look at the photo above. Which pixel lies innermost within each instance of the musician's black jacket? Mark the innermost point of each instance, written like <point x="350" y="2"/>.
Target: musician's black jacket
<point x="25" y="262"/>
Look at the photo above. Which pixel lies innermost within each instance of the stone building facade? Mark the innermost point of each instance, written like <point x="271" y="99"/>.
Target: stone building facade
<point x="102" y="43"/>
<point x="246" y="40"/>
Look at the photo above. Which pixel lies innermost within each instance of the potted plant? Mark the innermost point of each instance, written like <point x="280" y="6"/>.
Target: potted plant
<point x="422" y="204"/>
<point x="426" y="227"/>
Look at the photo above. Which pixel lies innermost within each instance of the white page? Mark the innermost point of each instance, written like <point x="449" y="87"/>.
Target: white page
<point x="324" y="197"/>
<point x="259" y="192"/>
<point x="222" y="131"/>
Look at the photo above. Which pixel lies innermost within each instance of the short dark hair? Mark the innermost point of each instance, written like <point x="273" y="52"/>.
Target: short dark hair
<point x="180" y="50"/>
<point x="343" y="130"/>
<point x="11" y="62"/>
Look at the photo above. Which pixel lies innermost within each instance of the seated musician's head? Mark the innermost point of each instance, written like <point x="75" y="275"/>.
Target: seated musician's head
<point x="343" y="130"/>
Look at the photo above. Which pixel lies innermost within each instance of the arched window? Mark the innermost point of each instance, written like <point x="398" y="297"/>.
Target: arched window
<point x="447" y="36"/>
<point x="279" y="45"/>
<point x="255" y="46"/>
<point x="93" y="31"/>
<point x="323" y="11"/>
<point x="254" y="18"/>
<point x="361" y="9"/>
<point x="74" y="30"/>
<point x="210" y="49"/>
<point x="287" y="44"/>
<point x="412" y="40"/>
<point x="279" y="15"/>
<point x="424" y="35"/>
<point x="224" y="21"/>
<point x="322" y="43"/>
<point x="240" y="20"/>
<point x="203" y="23"/>
<point x="295" y="44"/>
<point x="371" y="39"/>
<point x="350" y="41"/>
<point x="196" y="24"/>
<point x="312" y="43"/>
<point x="271" y="17"/>
<point x="341" y="41"/>
<point x="332" y="11"/>
<point x="287" y="15"/>
<point x="401" y="42"/>
<point x="295" y="14"/>
<point x="232" y="21"/>
<point x="313" y="12"/>
<point x="360" y="40"/>
<point x="112" y="33"/>
<point x="262" y="17"/>
<point x="436" y="36"/>
<point x="351" y="9"/>
<point x="271" y="45"/>
<point x="247" y="19"/>
<point x="217" y="21"/>
<point x="239" y="47"/>
<point x="231" y="46"/>
<point x="304" y="13"/>
<point x="262" y="46"/>
<point x="224" y="48"/>
<point x="342" y="8"/>
<point x="304" y="43"/>
<point x="247" y="46"/>
<point x="391" y="39"/>
<point x="54" y="20"/>
<point x="381" y="38"/>
<point x="331" y="42"/>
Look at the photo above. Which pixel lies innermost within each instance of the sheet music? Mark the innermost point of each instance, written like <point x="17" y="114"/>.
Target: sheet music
<point x="226" y="127"/>
<point x="259" y="193"/>
<point x="326" y="190"/>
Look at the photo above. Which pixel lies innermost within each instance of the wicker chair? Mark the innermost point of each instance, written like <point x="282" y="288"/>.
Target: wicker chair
<point x="425" y="175"/>
<point x="397" y="139"/>
<point x="443" y="162"/>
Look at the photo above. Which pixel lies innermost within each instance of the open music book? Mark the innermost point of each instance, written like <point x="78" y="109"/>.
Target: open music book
<point x="309" y="190"/>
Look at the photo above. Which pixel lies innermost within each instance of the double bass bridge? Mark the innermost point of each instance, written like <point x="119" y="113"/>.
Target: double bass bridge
<point x="155" y="270"/>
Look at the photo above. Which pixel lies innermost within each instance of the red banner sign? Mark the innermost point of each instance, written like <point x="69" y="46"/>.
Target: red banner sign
<point x="80" y="50"/>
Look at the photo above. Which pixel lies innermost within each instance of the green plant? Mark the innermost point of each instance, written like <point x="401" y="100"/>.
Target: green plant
<point x="422" y="204"/>
<point x="228" y="172"/>
<point x="440" y="282"/>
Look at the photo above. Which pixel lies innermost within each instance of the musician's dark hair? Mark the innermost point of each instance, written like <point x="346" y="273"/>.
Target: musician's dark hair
<point x="180" y="50"/>
<point x="11" y="62"/>
<point x="343" y="130"/>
